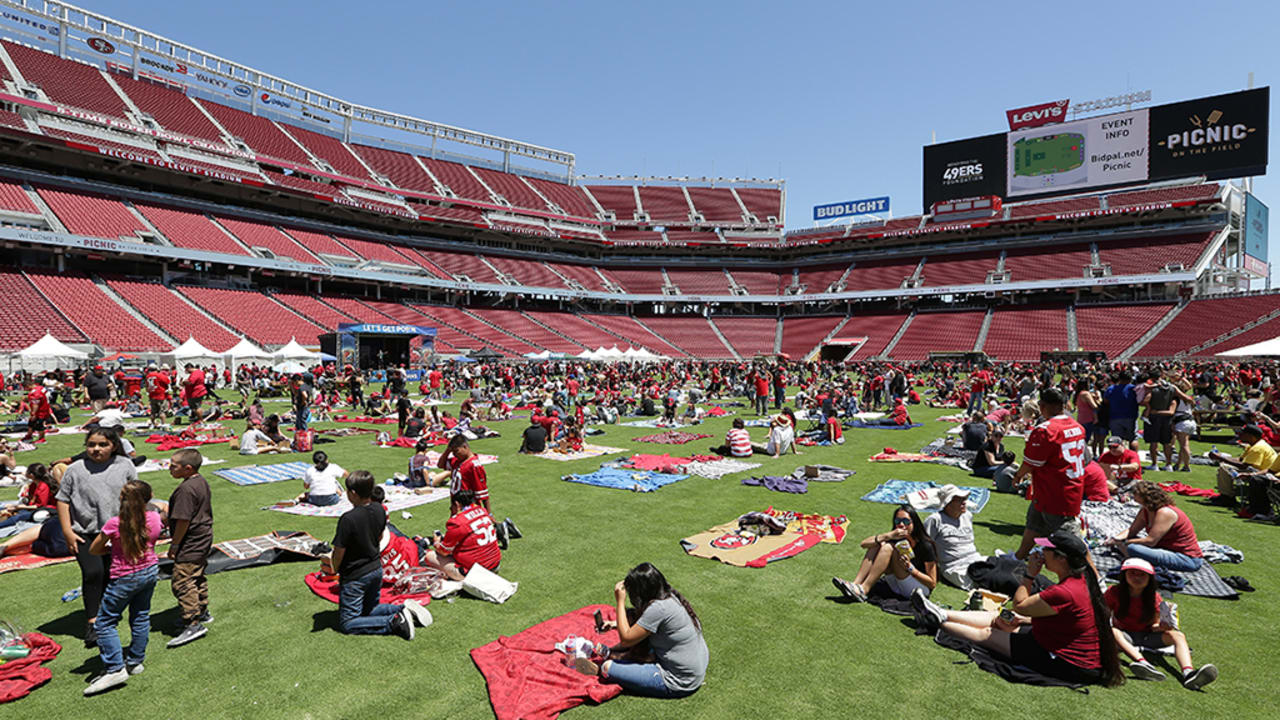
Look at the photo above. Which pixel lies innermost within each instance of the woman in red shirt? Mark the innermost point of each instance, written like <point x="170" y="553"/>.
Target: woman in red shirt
<point x="1137" y="622"/>
<point x="1170" y="540"/>
<point x="1070" y="634"/>
<point x="37" y="495"/>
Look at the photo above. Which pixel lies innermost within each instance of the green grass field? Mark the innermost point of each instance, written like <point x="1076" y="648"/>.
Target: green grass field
<point x="780" y="643"/>
<point x="1048" y="154"/>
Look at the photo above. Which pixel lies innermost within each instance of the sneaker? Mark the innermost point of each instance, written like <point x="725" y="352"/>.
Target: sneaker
<point x="512" y="530"/>
<point x="194" y="631"/>
<point x="205" y="618"/>
<point x="135" y="669"/>
<point x="1167" y="468"/>
<point x="1245" y="513"/>
<point x="927" y="614"/>
<point x="402" y="624"/>
<point x="1200" y="677"/>
<point x="1153" y="468"/>
<point x="106" y="681"/>
<point x="1144" y="670"/>
<point x="418" y="612"/>
<point x="502" y="535"/>
<point x="1185" y="468"/>
<point x="853" y="591"/>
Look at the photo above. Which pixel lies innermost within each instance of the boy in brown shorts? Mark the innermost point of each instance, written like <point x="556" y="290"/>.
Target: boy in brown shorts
<point x="191" y="524"/>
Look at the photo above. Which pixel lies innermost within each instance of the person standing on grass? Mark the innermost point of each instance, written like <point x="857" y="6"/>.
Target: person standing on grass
<point x="130" y="538"/>
<point x="88" y="496"/>
<point x="39" y="411"/>
<point x="191" y="527"/>
<point x="356" y="559"/>
<point x="196" y="389"/>
<point x="1054" y="458"/>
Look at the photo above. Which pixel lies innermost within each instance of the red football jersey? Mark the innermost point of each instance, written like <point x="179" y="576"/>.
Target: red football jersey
<point x="468" y="475"/>
<point x="38" y="400"/>
<point x="471" y="539"/>
<point x="1055" y="452"/>
<point x="157" y="385"/>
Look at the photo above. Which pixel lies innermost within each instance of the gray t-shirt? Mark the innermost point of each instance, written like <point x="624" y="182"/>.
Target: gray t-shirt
<point x="677" y="644"/>
<point x="953" y="538"/>
<point x="92" y="490"/>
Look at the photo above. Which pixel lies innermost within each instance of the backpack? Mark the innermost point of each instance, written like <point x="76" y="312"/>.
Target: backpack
<point x="303" y="440"/>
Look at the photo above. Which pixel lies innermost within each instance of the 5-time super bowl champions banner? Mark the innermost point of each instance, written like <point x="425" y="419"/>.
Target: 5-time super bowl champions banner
<point x="1223" y="136"/>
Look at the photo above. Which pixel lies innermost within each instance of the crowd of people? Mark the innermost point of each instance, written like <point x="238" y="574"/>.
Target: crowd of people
<point x="1083" y="424"/>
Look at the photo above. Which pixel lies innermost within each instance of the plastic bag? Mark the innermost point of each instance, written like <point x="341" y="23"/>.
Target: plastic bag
<point x="488" y="585"/>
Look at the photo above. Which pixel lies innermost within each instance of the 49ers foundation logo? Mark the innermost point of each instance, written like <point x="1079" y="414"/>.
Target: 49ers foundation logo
<point x="733" y="541"/>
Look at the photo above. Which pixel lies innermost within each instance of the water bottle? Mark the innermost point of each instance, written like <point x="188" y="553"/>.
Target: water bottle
<point x="71" y="594"/>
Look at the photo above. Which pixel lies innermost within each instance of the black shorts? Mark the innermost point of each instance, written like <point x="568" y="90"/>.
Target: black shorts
<point x="1159" y="429"/>
<point x="194" y="404"/>
<point x="35" y="424"/>
<point x="1026" y="651"/>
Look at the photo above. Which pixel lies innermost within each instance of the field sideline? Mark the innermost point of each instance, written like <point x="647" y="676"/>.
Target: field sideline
<point x="779" y="641"/>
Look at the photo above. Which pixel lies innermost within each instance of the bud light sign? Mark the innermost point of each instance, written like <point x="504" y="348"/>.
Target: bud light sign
<point x="852" y="207"/>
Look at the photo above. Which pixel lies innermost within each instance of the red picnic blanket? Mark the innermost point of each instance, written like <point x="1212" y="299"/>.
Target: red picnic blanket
<point x="527" y="677"/>
<point x="19" y="677"/>
<point x="328" y="589"/>
<point x="365" y="419"/>
<point x="176" y="442"/>
<point x="1188" y="490"/>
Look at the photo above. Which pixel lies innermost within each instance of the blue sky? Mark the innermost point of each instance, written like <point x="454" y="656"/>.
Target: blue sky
<point x="836" y="98"/>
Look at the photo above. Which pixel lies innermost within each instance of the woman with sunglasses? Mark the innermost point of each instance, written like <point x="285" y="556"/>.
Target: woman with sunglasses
<point x="904" y="557"/>
<point x="1069" y="624"/>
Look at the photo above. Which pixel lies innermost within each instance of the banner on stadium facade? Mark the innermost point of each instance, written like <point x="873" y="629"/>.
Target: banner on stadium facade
<point x="1223" y="136"/>
<point x="1101" y="151"/>
<point x="1037" y="115"/>
<point x="964" y="168"/>
<point x="1254" y="230"/>
<point x="869" y="206"/>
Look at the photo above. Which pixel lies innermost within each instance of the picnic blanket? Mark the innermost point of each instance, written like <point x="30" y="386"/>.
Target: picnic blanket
<point x="859" y="425"/>
<point x="895" y="492"/>
<point x="826" y="473"/>
<point x="398" y="498"/>
<point x="328" y="589"/>
<point x="527" y="677"/>
<point x="342" y="418"/>
<point x="671" y="437"/>
<point x="164" y="443"/>
<point x="154" y="464"/>
<point x="659" y="463"/>
<point x="619" y="479"/>
<point x="257" y="551"/>
<point x="20" y="676"/>
<point x="652" y="423"/>
<point x="412" y="442"/>
<point x="897" y="457"/>
<point x="1102" y="520"/>
<point x="716" y="469"/>
<point x="999" y="665"/>
<point x="739" y="542"/>
<point x="867" y="416"/>
<point x="1204" y="582"/>
<point x="588" y="451"/>
<point x="779" y="483"/>
<point x="29" y="561"/>
<point x="263" y="474"/>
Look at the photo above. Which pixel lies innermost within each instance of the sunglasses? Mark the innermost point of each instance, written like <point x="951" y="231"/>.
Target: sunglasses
<point x="902" y="521"/>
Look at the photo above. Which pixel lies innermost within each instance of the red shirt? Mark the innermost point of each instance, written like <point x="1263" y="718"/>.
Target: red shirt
<point x="38" y="494"/>
<point x="1071" y="634"/>
<point x="434" y="377"/>
<point x="471" y="539"/>
<point x="468" y="475"/>
<point x="1055" y="452"/>
<point x="157" y="385"/>
<point x="195" y="384"/>
<point x="1131" y="621"/>
<point x="39" y="403"/>
<point x="1181" y="537"/>
<point x="1126" y="457"/>
<point x="1095" y="483"/>
<point x="762" y="386"/>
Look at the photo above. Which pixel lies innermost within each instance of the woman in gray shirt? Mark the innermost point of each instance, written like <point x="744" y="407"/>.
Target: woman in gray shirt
<point x="89" y="496"/>
<point x="675" y="663"/>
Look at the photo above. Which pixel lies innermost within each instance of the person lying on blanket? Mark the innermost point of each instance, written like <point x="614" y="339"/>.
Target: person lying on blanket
<point x="905" y="557"/>
<point x="1070" y="636"/>
<point x="1170" y="538"/>
<point x="661" y="652"/>
<point x="1138" y="622"/>
<point x="470" y="538"/>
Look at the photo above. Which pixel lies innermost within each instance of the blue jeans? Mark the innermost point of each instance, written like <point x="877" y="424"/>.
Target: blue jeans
<point x="359" y="612"/>
<point x="975" y="401"/>
<point x="300" y="418"/>
<point x="1167" y="559"/>
<point x="20" y="516"/>
<point x="133" y="591"/>
<point x="324" y="500"/>
<point x="762" y="404"/>
<point x="641" y="679"/>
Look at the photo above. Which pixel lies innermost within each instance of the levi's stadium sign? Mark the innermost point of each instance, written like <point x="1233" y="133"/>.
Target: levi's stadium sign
<point x="1037" y="115"/>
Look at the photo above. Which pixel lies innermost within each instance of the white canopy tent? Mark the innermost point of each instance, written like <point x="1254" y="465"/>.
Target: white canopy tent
<point x="193" y="352"/>
<point x="47" y="353"/>
<point x="1266" y="348"/>
<point x="294" y="351"/>
<point x="245" y="351"/>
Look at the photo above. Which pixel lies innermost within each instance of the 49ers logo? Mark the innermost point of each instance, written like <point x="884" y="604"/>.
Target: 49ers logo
<point x="733" y="541"/>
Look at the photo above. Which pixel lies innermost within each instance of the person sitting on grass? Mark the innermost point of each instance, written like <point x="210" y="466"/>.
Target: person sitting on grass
<point x="320" y="482"/>
<point x="419" y="475"/>
<point x="1070" y="636"/>
<point x="1170" y="538"/>
<point x="1137" y="623"/>
<point x="417" y="424"/>
<point x="951" y="531"/>
<point x="357" y="560"/>
<point x="36" y="495"/>
<point x="256" y="442"/>
<point x="905" y="557"/>
<point x="987" y="460"/>
<point x="470" y="538"/>
<point x="661" y="652"/>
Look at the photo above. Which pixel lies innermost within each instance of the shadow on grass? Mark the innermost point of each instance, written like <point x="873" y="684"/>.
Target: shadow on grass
<point x="325" y="620"/>
<point x="1000" y="527"/>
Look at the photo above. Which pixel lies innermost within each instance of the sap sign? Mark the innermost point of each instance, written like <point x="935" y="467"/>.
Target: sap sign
<point x="853" y="207"/>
